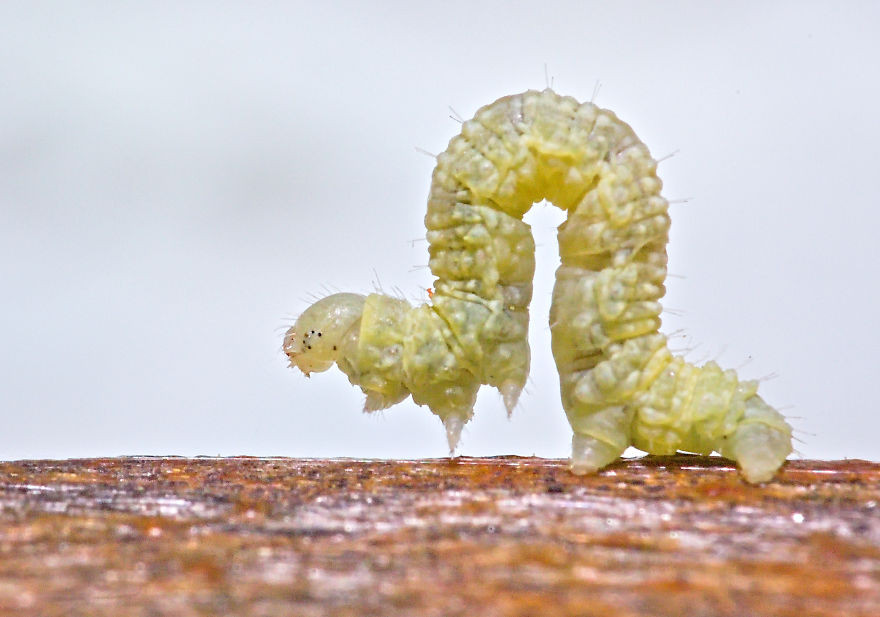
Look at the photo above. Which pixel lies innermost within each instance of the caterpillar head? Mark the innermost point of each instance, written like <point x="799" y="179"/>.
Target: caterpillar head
<point x="313" y="342"/>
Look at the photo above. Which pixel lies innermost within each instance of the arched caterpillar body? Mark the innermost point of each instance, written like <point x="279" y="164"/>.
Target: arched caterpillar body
<point x="620" y="384"/>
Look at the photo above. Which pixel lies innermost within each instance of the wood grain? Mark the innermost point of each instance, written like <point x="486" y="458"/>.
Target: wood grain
<point x="505" y="536"/>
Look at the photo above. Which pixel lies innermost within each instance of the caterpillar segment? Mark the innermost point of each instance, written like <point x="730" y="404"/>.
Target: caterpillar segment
<point x="620" y="384"/>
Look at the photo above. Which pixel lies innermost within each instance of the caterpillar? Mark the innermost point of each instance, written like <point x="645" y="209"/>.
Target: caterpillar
<point x="620" y="385"/>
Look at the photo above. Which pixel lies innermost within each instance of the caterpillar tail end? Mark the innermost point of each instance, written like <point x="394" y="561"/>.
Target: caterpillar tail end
<point x="761" y="442"/>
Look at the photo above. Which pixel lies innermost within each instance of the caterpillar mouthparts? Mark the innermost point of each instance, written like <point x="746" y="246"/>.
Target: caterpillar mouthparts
<point x="620" y="384"/>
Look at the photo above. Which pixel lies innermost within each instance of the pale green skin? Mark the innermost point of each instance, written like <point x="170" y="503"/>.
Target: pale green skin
<point x="620" y="384"/>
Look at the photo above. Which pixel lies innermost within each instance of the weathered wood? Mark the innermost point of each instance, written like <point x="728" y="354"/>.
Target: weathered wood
<point x="681" y="536"/>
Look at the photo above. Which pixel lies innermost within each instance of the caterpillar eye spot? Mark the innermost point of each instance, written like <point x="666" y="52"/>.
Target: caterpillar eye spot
<point x="620" y="384"/>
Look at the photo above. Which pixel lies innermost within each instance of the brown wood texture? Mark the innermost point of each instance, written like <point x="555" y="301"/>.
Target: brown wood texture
<point x="681" y="536"/>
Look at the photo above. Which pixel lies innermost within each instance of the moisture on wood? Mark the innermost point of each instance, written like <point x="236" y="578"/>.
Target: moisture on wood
<point x="681" y="536"/>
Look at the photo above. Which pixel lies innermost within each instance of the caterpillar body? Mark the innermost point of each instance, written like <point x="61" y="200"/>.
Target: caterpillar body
<point x="620" y="384"/>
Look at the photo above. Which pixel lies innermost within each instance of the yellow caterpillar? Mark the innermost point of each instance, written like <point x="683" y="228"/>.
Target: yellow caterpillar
<point x="620" y="384"/>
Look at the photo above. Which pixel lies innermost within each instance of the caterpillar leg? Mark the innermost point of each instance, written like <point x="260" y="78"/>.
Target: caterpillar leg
<point x="453" y="403"/>
<point x="760" y="443"/>
<point x="600" y="439"/>
<point x="453" y="424"/>
<point x="510" y="391"/>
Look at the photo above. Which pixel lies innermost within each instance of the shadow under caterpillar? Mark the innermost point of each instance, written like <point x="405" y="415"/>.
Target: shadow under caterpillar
<point x="620" y="384"/>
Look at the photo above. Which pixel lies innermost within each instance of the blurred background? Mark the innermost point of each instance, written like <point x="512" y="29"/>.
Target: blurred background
<point x="178" y="180"/>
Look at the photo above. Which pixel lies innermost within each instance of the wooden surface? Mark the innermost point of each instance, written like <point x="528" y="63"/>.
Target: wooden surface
<point x="679" y="536"/>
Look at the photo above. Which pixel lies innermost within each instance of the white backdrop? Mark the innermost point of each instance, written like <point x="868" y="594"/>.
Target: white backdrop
<point x="176" y="179"/>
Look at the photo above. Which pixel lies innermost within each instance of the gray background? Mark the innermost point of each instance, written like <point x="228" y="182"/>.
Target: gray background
<point x="176" y="181"/>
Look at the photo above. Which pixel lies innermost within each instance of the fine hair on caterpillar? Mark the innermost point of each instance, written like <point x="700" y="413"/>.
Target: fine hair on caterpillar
<point x="620" y="383"/>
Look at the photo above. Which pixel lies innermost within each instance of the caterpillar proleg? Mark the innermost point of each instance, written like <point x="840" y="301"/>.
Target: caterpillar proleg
<point x="620" y="384"/>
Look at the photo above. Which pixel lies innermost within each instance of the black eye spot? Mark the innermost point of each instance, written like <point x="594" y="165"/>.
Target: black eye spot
<point x="319" y="334"/>
<point x="313" y="331"/>
<point x="310" y="346"/>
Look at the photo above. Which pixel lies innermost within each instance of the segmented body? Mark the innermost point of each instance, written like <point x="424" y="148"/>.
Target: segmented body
<point x="620" y="384"/>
